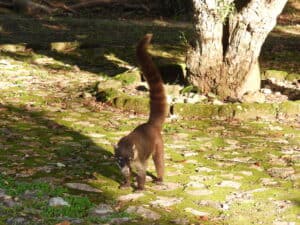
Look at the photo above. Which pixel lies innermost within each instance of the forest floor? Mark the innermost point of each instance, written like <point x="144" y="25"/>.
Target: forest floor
<point x="56" y="148"/>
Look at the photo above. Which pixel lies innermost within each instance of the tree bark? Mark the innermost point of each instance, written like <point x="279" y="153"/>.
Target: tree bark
<point x="224" y="56"/>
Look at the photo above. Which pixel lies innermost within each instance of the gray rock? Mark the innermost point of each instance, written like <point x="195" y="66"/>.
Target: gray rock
<point x="57" y="201"/>
<point x="180" y="221"/>
<point x="16" y="221"/>
<point x="120" y="220"/>
<point x="199" y="192"/>
<point x="252" y="97"/>
<point x="281" y="172"/>
<point x="101" y="210"/>
<point x="268" y="182"/>
<point x="143" y="212"/>
<point x="166" y="186"/>
<point x="130" y="197"/>
<point x="82" y="187"/>
<point x="165" y="201"/>
<point x="231" y="184"/>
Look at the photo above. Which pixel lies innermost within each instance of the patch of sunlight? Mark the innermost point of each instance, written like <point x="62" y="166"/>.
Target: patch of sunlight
<point x="156" y="52"/>
<point x="294" y="30"/>
<point x="119" y="62"/>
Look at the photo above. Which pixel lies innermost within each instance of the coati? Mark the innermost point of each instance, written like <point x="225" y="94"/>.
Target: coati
<point x="133" y="151"/>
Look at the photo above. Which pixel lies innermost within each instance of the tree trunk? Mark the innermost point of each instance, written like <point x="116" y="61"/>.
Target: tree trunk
<point x="224" y="56"/>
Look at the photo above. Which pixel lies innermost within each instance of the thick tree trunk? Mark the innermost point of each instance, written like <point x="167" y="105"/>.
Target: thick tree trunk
<point x="224" y="56"/>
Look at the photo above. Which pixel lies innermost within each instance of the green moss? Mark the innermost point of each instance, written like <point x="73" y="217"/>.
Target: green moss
<point x="246" y="111"/>
<point x="277" y="74"/>
<point x="290" y="108"/>
<point x="129" y="77"/>
<point x="293" y="77"/>
<point x="190" y="111"/>
<point x="107" y="95"/>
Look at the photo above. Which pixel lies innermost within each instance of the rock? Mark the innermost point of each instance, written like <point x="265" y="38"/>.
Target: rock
<point x="251" y="97"/>
<point x="268" y="182"/>
<point x="277" y="74"/>
<point x="166" y="186"/>
<point x="283" y="223"/>
<point x="281" y="172"/>
<point x="60" y="165"/>
<point x="247" y="173"/>
<point x="129" y="77"/>
<point x="109" y="84"/>
<point x="101" y="210"/>
<point x="82" y="187"/>
<point x="131" y="197"/>
<point x="16" y="221"/>
<point x="266" y="91"/>
<point x="173" y="90"/>
<point x="199" y="192"/>
<point x="58" y="201"/>
<point x="119" y="220"/>
<point x="196" y="212"/>
<point x="189" y="154"/>
<point x="209" y="203"/>
<point x="231" y="184"/>
<point x="165" y="201"/>
<point x="180" y="221"/>
<point x="195" y="184"/>
<point x="203" y="169"/>
<point x="143" y="212"/>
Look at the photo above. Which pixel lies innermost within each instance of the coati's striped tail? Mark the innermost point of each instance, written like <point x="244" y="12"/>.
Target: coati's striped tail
<point x="158" y="103"/>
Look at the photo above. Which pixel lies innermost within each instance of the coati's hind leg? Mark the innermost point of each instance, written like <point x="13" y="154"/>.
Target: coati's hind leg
<point x="158" y="158"/>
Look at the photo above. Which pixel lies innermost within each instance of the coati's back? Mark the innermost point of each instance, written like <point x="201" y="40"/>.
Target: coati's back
<point x="158" y="102"/>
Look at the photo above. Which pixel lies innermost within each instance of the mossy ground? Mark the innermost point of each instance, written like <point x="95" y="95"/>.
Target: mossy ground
<point x="44" y="124"/>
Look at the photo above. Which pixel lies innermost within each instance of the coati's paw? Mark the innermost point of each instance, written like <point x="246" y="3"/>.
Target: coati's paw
<point x="124" y="186"/>
<point x="158" y="181"/>
<point x="138" y="190"/>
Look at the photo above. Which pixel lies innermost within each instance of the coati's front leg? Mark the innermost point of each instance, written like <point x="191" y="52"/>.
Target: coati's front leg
<point x="126" y="171"/>
<point x="158" y="158"/>
<point x="141" y="168"/>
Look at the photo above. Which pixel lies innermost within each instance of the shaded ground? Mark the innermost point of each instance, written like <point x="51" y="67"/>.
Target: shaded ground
<point x="217" y="172"/>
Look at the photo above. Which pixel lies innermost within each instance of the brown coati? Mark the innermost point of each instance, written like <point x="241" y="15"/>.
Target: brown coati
<point x="133" y="151"/>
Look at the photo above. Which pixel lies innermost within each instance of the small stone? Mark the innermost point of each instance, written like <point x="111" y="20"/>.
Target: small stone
<point x="231" y="184"/>
<point x="166" y="186"/>
<point x="195" y="184"/>
<point x="130" y="197"/>
<point x="119" y="220"/>
<point x="196" y="212"/>
<point x="58" y="201"/>
<point x="143" y="212"/>
<point x="60" y="165"/>
<point x="16" y="221"/>
<point x="203" y="169"/>
<point x="268" y="182"/>
<point x="199" y="192"/>
<point x="165" y="201"/>
<point x="102" y="209"/>
<point x="266" y="91"/>
<point x="82" y="187"/>
<point x="246" y="173"/>
<point x="281" y="172"/>
<point x="283" y="223"/>
<point x="180" y="221"/>
<point x="252" y="97"/>
<point x="209" y="203"/>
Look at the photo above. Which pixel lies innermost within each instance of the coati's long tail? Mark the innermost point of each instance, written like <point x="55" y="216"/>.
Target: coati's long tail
<point x="158" y="102"/>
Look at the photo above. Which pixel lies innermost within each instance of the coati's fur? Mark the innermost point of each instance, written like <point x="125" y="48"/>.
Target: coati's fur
<point x="133" y="151"/>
